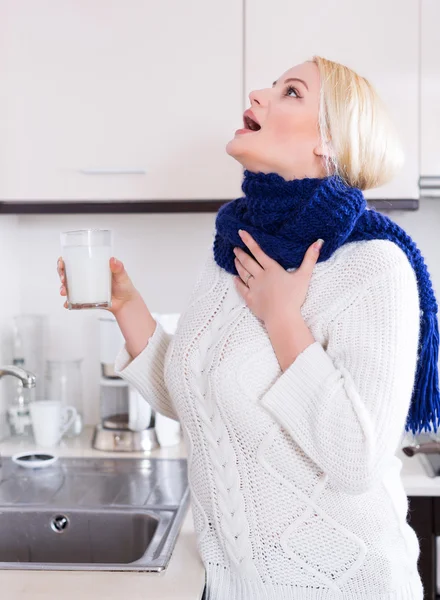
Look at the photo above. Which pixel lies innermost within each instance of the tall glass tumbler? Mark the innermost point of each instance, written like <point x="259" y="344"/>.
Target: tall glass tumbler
<point x="86" y="254"/>
<point x="30" y="340"/>
<point x="64" y="384"/>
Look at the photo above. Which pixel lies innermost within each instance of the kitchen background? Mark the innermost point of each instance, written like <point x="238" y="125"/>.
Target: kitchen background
<point x="94" y="90"/>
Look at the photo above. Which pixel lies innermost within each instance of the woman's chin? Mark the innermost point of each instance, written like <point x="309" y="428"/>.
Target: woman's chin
<point x="242" y="155"/>
<point x="235" y="147"/>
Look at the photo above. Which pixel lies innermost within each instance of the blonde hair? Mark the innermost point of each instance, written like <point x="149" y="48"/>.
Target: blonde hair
<point x="363" y="146"/>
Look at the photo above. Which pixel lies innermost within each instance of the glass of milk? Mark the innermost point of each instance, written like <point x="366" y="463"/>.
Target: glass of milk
<point x="86" y="254"/>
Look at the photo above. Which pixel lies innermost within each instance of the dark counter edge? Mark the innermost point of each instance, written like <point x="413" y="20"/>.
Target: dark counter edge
<point x="152" y="206"/>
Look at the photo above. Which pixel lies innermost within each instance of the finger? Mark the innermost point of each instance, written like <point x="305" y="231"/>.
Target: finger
<point x="116" y="265"/>
<point x="264" y="260"/>
<point x="63" y="291"/>
<point x="251" y="265"/>
<point x="241" y="270"/>
<point x="241" y="287"/>
<point x="65" y="304"/>
<point x="118" y="270"/>
<point x="310" y="258"/>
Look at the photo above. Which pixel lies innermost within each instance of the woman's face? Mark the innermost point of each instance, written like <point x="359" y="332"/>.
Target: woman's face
<point x="288" y="142"/>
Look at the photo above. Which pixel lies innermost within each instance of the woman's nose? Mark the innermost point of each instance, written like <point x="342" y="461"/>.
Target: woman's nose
<point x="254" y="96"/>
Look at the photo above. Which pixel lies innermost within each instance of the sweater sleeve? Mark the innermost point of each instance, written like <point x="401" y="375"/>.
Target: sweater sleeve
<point x="146" y="371"/>
<point x="346" y="405"/>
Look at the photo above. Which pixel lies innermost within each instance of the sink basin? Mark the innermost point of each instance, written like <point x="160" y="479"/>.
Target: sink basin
<point x="92" y="514"/>
<point x="75" y="536"/>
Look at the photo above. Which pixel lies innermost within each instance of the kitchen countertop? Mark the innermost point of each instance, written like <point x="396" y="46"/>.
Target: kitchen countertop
<point x="185" y="575"/>
<point x="183" y="579"/>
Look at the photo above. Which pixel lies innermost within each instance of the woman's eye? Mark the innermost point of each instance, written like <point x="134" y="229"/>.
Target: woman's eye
<point x="292" y="89"/>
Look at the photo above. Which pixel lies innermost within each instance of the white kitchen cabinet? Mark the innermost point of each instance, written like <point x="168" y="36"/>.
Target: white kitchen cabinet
<point x="379" y="39"/>
<point x="430" y="98"/>
<point x="114" y="100"/>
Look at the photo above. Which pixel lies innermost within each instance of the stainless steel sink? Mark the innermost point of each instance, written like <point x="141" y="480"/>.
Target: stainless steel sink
<point x="92" y="514"/>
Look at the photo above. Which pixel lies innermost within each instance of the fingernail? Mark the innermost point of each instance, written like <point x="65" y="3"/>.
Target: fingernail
<point x="318" y="244"/>
<point x="240" y="232"/>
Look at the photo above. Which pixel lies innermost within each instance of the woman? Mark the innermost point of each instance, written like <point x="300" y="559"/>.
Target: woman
<point x="292" y="367"/>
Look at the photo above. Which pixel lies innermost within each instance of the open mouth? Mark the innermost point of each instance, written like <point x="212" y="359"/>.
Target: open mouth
<point x="250" y="124"/>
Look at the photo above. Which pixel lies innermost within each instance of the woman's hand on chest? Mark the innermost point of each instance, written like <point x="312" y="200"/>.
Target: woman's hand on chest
<point x="272" y="292"/>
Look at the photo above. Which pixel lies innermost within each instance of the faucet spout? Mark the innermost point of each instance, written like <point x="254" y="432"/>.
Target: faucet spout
<point x="27" y="378"/>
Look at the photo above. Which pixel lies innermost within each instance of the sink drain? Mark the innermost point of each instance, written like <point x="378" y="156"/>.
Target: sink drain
<point x="59" y="523"/>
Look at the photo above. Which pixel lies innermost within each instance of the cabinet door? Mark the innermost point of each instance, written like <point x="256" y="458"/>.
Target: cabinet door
<point x="430" y="98"/>
<point x="114" y="100"/>
<point x="378" y="39"/>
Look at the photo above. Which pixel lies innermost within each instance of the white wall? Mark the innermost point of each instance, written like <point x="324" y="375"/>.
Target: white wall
<point x="162" y="253"/>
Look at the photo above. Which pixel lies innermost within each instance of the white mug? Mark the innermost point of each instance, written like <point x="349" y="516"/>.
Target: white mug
<point x="50" y="421"/>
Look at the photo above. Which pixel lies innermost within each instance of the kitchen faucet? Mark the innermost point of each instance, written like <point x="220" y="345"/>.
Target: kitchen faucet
<point x="26" y="377"/>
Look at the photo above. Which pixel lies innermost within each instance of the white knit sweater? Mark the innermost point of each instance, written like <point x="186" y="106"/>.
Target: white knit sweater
<point x="295" y="486"/>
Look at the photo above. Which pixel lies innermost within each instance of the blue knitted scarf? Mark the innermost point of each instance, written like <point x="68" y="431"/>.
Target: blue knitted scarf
<point x="286" y="216"/>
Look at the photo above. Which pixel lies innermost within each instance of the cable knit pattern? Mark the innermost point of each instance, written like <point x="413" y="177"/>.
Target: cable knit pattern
<point x="295" y="486"/>
<point x="145" y="372"/>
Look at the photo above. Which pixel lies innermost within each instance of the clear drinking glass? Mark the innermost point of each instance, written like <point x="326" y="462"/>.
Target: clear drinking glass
<point x="86" y="254"/>
<point x="64" y="383"/>
<point x="29" y="338"/>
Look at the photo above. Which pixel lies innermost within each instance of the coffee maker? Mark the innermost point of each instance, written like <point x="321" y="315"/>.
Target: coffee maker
<point x="127" y="420"/>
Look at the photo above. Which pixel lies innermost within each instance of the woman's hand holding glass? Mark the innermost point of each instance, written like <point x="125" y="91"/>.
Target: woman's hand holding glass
<point x="123" y="289"/>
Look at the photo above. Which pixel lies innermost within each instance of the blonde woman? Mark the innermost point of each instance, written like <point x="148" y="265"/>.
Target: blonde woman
<point x="295" y="366"/>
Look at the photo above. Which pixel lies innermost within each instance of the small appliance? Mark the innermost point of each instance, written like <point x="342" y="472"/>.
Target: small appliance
<point x="127" y="420"/>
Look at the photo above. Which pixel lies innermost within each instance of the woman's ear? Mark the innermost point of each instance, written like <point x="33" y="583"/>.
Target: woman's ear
<point x="323" y="149"/>
<point x="324" y="153"/>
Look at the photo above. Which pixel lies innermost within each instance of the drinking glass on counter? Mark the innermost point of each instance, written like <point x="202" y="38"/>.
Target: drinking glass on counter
<point x="64" y="383"/>
<point x="30" y="341"/>
<point x="86" y="255"/>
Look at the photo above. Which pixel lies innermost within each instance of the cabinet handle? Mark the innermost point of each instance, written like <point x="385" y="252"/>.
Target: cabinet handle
<point x="112" y="171"/>
<point x="429" y="182"/>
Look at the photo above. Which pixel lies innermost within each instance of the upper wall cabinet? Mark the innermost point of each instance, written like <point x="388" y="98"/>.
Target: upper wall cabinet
<point x="430" y="99"/>
<point x="113" y="100"/>
<point x="379" y="39"/>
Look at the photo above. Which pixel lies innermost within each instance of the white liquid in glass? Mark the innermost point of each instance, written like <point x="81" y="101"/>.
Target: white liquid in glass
<point x="88" y="274"/>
